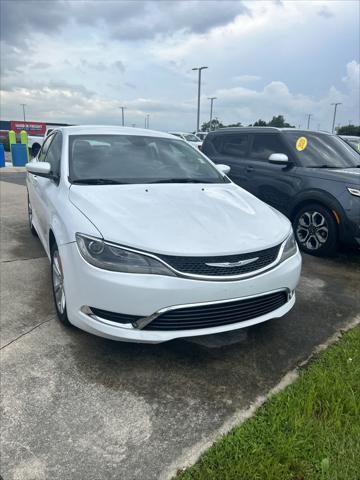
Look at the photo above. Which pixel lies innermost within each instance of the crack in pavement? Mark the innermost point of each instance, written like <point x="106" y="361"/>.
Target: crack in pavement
<point x="22" y="259"/>
<point x="26" y="333"/>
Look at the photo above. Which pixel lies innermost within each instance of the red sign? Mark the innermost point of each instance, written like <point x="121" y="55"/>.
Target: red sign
<point x="32" y="128"/>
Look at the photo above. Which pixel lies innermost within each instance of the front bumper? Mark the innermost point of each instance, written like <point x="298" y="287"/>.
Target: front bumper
<point x="144" y="295"/>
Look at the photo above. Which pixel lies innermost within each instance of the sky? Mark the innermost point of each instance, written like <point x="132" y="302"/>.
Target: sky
<point x="79" y="61"/>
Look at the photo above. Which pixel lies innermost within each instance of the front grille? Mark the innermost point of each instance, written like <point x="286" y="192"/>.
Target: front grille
<point x="197" y="265"/>
<point x="217" y="314"/>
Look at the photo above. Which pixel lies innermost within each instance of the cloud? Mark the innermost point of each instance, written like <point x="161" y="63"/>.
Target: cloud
<point x="325" y="12"/>
<point x="125" y="20"/>
<point x="246" y="78"/>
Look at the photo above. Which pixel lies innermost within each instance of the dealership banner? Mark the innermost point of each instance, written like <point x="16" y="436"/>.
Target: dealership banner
<point x="32" y="128"/>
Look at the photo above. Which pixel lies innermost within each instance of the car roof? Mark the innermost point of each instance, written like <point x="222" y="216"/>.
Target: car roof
<point x="111" y="130"/>
<point x="263" y="130"/>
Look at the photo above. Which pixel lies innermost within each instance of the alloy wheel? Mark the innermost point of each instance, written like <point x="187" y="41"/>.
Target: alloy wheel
<point x="312" y="230"/>
<point x="58" y="282"/>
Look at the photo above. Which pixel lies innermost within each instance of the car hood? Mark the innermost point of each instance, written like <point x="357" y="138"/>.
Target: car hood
<point x="181" y="219"/>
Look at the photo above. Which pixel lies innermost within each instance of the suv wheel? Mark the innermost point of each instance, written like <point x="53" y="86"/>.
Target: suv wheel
<point x="57" y="277"/>
<point x="30" y="217"/>
<point x="315" y="230"/>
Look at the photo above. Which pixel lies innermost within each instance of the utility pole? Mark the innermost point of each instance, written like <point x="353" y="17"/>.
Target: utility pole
<point x="308" y="122"/>
<point x="199" y="93"/>
<point x="211" y="110"/>
<point x="147" y="121"/>
<point x="335" y="108"/>
<point x="122" y="116"/>
<point x="23" y="107"/>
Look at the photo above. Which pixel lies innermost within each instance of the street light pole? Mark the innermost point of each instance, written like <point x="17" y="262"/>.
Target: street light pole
<point x="335" y="108"/>
<point x="122" y="116"/>
<point x="199" y="92"/>
<point x="308" y="122"/>
<point x="211" y="109"/>
<point x="23" y="107"/>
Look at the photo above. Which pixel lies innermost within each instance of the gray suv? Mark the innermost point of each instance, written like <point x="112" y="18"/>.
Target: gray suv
<point x="312" y="177"/>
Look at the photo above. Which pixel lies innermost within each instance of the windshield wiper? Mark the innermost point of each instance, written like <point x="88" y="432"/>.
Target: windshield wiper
<point x="180" y="180"/>
<point x="97" y="181"/>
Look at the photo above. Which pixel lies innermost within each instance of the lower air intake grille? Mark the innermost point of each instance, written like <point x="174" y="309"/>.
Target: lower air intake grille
<point x="215" y="315"/>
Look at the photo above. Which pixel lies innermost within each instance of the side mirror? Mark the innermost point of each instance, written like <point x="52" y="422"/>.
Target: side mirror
<point x="279" y="159"/>
<point x="41" y="169"/>
<point x="223" y="168"/>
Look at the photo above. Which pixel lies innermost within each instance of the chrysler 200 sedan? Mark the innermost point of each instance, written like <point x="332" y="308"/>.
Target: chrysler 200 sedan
<point x="150" y="241"/>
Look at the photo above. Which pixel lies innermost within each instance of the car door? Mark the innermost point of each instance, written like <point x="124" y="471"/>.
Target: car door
<point x="274" y="184"/>
<point x="46" y="188"/>
<point x="34" y="186"/>
<point x="230" y="149"/>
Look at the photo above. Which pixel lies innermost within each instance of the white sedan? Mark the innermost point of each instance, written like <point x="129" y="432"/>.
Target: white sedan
<point x="190" y="138"/>
<point x="150" y="241"/>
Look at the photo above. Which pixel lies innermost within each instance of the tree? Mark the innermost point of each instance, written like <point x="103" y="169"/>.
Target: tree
<point x="260" y="123"/>
<point x="239" y="124"/>
<point x="279" y="122"/>
<point x="349" y="130"/>
<point x="215" y="124"/>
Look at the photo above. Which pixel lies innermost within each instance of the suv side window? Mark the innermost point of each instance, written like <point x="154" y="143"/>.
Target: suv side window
<point x="232" y="145"/>
<point x="44" y="148"/>
<point x="264" y="144"/>
<point x="53" y="155"/>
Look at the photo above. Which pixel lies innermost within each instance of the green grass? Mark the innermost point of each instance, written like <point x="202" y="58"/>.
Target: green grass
<point x="310" y="431"/>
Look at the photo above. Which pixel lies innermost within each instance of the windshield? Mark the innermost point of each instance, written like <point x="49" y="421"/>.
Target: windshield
<point x="135" y="159"/>
<point x="191" y="138"/>
<point x="321" y="150"/>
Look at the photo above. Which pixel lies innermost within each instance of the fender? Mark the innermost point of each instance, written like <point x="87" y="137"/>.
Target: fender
<point x="316" y="195"/>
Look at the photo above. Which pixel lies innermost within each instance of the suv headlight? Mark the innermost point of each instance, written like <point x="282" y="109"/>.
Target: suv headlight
<point x="290" y="247"/>
<point x="354" y="191"/>
<point x="109" y="257"/>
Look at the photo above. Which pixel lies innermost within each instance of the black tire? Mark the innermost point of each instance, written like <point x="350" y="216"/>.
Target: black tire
<point x="56" y="265"/>
<point x="31" y="226"/>
<point x="316" y="230"/>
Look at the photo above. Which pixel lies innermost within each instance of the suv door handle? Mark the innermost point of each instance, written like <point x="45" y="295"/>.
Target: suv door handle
<point x="249" y="169"/>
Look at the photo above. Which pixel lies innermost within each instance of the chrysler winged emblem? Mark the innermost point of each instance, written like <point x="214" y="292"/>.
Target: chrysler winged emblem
<point x="240" y="263"/>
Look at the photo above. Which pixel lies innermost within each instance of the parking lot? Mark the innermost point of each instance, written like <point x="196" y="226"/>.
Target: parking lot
<point x="78" y="406"/>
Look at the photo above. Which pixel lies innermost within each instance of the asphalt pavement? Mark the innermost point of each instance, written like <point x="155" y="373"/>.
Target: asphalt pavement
<point x="75" y="406"/>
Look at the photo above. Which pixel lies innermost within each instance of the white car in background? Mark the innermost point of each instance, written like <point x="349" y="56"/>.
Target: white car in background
<point x="35" y="141"/>
<point x="201" y="135"/>
<point x="190" y="138"/>
<point x="150" y="241"/>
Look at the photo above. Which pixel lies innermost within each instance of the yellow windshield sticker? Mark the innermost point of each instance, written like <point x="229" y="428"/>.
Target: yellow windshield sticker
<point x="301" y="143"/>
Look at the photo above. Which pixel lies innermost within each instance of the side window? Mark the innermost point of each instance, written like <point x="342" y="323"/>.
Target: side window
<point x="53" y="155"/>
<point x="265" y="144"/>
<point x="232" y="145"/>
<point x="44" y="149"/>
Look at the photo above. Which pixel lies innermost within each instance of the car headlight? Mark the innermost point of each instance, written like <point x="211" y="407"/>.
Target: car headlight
<point x="110" y="257"/>
<point x="354" y="191"/>
<point x="290" y="247"/>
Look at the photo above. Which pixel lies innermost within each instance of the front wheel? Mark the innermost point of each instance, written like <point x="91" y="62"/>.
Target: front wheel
<point x="57" y="277"/>
<point x="316" y="230"/>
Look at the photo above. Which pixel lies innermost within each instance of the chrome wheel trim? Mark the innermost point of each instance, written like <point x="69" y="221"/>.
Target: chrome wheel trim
<point x="58" y="282"/>
<point x="30" y="212"/>
<point x="312" y="230"/>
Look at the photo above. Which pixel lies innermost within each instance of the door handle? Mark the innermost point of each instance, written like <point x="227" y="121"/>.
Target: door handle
<point x="249" y="169"/>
